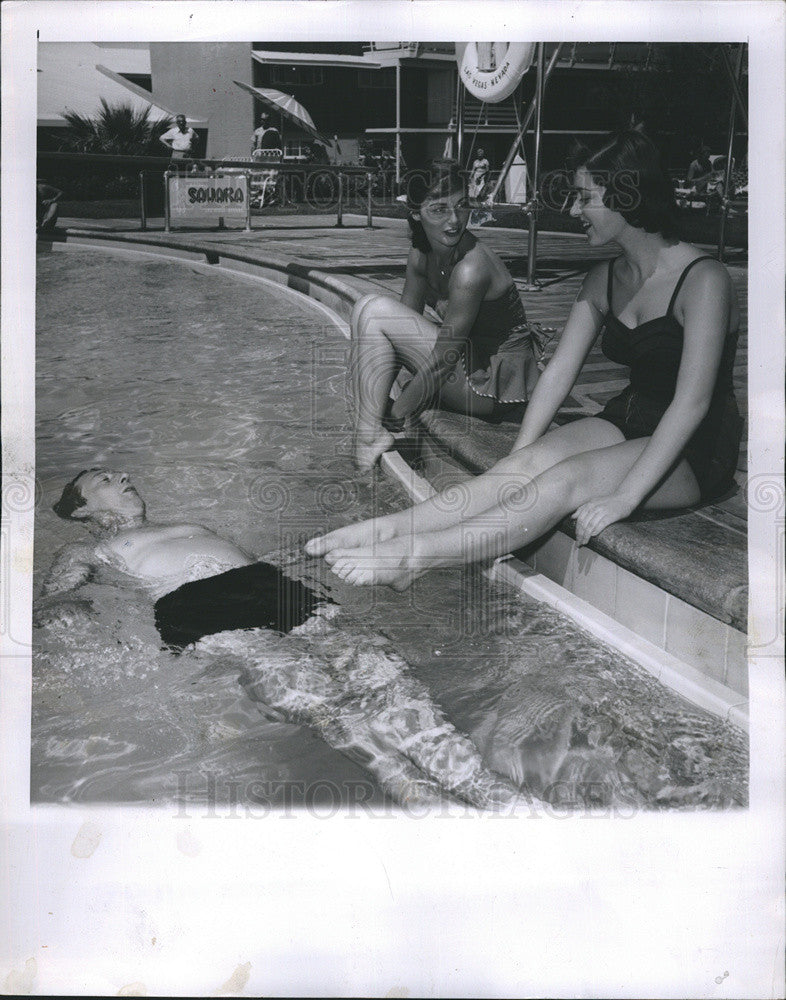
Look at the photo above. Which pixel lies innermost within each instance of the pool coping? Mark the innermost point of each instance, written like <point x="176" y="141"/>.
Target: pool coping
<point x="681" y="677"/>
<point x="684" y="657"/>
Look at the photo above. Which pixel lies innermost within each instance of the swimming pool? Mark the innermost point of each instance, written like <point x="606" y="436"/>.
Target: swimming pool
<point x="225" y="399"/>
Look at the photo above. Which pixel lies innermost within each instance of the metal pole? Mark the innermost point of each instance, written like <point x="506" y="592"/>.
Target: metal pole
<point x="524" y="126"/>
<point x="369" y="181"/>
<point x="460" y="96"/>
<point x="166" y="203"/>
<point x="729" y="149"/>
<point x="533" y="215"/>
<point x="735" y="84"/>
<point x="142" y="206"/>
<point x="398" y="122"/>
<point x="340" y="212"/>
<point x="248" y="201"/>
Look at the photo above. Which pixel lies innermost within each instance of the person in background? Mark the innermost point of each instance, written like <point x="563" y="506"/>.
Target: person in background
<point x="46" y="208"/>
<point x="479" y="175"/>
<point x="700" y="170"/>
<point x="181" y="140"/>
<point x="265" y="138"/>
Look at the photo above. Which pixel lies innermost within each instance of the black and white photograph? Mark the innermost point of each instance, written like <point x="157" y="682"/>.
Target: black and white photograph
<point x="384" y="449"/>
<point x="288" y="521"/>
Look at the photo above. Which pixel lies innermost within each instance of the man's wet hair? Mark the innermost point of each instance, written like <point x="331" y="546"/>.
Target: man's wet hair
<point x="71" y="498"/>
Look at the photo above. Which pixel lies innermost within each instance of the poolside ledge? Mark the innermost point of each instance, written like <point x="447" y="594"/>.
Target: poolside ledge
<point x="677" y="580"/>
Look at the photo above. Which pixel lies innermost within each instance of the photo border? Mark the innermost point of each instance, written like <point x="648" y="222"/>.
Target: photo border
<point x="107" y="899"/>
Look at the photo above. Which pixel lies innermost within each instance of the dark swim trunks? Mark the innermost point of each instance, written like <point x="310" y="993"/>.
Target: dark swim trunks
<point x="255" y="596"/>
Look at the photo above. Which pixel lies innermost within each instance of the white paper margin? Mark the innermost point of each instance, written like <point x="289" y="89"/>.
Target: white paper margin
<point x="653" y="906"/>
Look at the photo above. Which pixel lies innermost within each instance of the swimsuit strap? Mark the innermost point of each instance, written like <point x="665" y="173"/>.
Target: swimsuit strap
<point x="682" y="277"/>
<point x="608" y="284"/>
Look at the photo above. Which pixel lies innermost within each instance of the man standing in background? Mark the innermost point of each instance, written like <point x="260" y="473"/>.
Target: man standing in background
<point x="266" y="138"/>
<point x="180" y="139"/>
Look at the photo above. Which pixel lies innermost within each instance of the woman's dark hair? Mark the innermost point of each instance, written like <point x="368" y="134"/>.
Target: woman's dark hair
<point x="71" y="498"/>
<point x="637" y="184"/>
<point x="444" y="179"/>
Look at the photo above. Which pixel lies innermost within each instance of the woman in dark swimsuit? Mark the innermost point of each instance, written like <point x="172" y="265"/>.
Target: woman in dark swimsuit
<point x="477" y="358"/>
<point x="670" y="440"/>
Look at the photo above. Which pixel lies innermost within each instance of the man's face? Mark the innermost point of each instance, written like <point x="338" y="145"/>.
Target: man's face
<point x="181" y="122"/>
<point x="107" y="492"/>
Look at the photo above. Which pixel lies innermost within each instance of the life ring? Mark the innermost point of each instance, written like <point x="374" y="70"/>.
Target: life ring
<point x="494" y="85"/>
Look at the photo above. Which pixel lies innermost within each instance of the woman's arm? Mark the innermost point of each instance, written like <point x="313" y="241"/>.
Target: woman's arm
<point x="707" y="302"/>
<point x="415" y="281"/>
<point x="560" y="376"/>
<point x="467" y="288"/>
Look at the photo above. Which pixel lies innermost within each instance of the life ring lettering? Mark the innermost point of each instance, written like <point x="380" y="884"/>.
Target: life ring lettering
<point x="491" y="71"/>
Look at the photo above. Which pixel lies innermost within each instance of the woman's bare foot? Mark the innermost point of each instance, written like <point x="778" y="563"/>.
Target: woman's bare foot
<point x="368" y="449"/>
<point x="392" y="563"/>
<point x="363" y="534"/>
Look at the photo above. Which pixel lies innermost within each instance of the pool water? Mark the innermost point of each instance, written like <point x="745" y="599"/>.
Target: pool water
<point x="226" y="402"/>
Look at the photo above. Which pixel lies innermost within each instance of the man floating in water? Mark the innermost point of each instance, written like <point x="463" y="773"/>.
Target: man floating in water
<point x="203" y="583"/>
<point x="363" y="701"/>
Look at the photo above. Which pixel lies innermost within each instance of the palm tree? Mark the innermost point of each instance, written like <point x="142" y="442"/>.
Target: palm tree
<point x="120" y="130"/>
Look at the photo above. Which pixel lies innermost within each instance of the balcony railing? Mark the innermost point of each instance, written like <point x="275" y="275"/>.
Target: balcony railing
<point x="412" y="49"/>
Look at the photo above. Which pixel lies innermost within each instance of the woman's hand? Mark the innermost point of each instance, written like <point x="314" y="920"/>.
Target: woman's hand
<point x="595" y="515"/>
<point x="391" y="421"/>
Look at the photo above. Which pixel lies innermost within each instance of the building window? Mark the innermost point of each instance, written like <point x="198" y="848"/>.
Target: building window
<point x="377" y="79"/>
<point x="302" y="76"/>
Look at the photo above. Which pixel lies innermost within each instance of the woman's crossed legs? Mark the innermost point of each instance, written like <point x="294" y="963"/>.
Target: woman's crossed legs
<point x="387" y="335"/>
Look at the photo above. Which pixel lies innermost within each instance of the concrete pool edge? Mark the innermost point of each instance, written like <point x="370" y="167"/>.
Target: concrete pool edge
<point x="682" y="678"/>
<point x="335" y="293"/>
<point x="700" y="678"/>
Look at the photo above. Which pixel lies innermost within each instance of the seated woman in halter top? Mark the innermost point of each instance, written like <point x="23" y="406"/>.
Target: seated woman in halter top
<point x="669" y="440"/>
<point x="478" y="358"/>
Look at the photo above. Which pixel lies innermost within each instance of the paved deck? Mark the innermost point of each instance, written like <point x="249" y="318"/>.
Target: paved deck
<point x="698" y="556"/>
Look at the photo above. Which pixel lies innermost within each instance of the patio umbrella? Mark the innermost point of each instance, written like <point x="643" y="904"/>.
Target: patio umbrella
<point x="286" y="105"/>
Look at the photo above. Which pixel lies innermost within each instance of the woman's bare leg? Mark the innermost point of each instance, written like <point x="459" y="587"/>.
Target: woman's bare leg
<point x="386" y="335"/>
<point x="559" y="491"/>
<point x="512" y="478"/>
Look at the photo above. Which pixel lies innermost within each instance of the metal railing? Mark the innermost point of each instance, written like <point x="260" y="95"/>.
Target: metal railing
<point x="321" y="186"/>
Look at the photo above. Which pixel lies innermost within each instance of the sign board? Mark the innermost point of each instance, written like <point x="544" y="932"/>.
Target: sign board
<point x="223" y="197"/>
